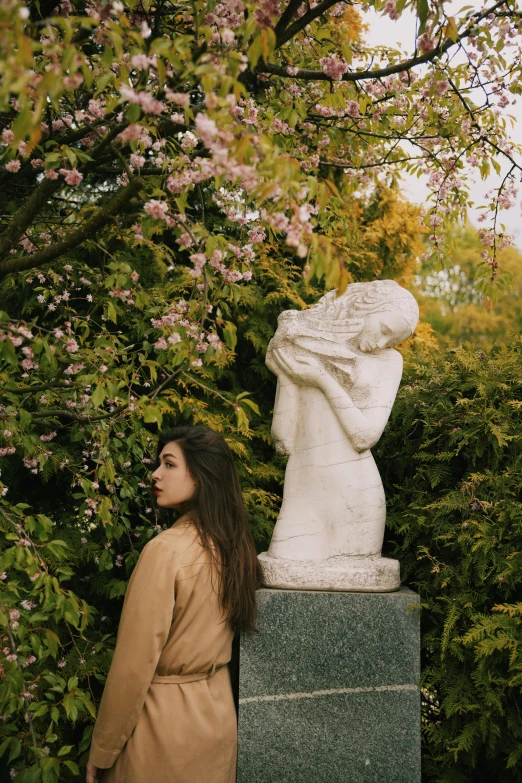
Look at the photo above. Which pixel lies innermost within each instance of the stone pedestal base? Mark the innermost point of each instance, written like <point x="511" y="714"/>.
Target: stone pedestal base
<point x="373" y="574"/>
<point x="328" y="689"/>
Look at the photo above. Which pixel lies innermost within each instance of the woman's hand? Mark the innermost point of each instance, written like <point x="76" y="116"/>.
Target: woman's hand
<point x="94" y="774"/>
<point x="306" y="370"/>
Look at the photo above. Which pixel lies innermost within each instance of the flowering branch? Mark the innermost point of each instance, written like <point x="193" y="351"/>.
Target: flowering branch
<point x="98" y="220"/>
<point x="304" y="21"/>
<point x="356" y="76"/>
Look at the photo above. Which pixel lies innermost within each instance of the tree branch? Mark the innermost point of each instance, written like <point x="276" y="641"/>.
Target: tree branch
<point x="97" y="221"/>
<point x="389" y="162"/>
<point x="305" y="20"/>
<point x="23" y="218"/>
<point x="355" y="76"/>
<point x="286" y="17"/>
<point x="65" y="414"/>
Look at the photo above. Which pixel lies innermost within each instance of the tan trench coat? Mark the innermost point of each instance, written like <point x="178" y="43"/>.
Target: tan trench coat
<point x="167" y="712"/>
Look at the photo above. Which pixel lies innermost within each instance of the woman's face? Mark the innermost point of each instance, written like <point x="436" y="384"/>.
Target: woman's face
<point x="173" y="484"/>
<point x="382" y="330"/>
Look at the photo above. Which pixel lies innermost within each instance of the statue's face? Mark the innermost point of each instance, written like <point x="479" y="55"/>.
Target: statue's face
<point x="382" y="330"/>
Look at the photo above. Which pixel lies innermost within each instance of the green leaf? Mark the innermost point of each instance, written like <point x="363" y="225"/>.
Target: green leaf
<point x="8" y="353"/>
<point x="98" y="395"/>
<point x="132" y="112"/>
<point x="152" y="414"/>
<point x="111" y="312"/>
<point x="452" y="30"/>
<point x="64" y="750"/>
<point x="230" y="335"/>
<point x="252" y="405"/>
<point x="4" y="746"/>
<point x="242" y="419"/>
<point x="423" y="10"/>
<point x="254" y="51"/>
<point x="15" y="749"/>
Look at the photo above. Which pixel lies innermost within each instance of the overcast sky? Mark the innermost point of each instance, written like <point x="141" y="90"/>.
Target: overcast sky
<point x="401" y="33"/>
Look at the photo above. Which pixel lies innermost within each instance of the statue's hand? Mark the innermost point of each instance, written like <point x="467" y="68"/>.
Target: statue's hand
<point x="306" y="370"/>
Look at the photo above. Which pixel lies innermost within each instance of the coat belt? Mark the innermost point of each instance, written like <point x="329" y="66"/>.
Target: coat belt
<point x="166" y="679"/>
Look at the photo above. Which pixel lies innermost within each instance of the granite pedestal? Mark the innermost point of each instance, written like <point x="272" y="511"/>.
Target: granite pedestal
<point x="328" y="689"/>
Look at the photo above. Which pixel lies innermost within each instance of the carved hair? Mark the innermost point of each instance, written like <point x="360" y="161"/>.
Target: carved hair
<point x="360" y="300"/>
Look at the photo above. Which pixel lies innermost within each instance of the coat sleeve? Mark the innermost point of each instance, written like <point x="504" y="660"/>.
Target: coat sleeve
<point x="144" y="627"/>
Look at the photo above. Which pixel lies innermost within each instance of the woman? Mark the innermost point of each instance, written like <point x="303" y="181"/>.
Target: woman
<point x="167" y="713"/>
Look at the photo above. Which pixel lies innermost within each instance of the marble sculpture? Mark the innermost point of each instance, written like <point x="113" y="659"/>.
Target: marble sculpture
<point x="337" y="378"/>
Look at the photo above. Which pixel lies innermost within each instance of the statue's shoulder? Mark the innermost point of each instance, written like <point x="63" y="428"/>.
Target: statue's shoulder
<point x="395" y="357"/>
<point x="389" y="358"/>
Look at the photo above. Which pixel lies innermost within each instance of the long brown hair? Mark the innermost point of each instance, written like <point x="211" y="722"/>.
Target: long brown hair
<point x="218" y="512"/>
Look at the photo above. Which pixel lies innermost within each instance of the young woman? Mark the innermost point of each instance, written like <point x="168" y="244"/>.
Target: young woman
<point x="167" y="713"/>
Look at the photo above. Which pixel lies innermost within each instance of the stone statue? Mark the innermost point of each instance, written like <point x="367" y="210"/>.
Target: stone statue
<point x="337" y="378"/>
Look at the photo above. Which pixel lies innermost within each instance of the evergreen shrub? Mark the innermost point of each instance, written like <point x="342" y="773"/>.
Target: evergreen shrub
<point x="451" y="462"/>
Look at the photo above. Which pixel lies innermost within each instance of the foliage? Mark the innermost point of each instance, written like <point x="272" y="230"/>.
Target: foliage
<point x="86" y="382"/>
<point x="451" y="298"/>
<point x="143" y="103"/>
<point x="451" y="462"/>
<point x="169" y="185"/>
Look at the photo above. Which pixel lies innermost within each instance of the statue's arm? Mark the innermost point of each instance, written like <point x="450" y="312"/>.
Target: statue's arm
<point x="286" y="409"/>
<point x="362" y="427"/>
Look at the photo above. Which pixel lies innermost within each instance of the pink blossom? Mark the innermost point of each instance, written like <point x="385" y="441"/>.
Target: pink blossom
<point x="140" y="62"/>
<point x="161" y="344"/>
<point x="257" y="234"/>
<point x="13" y="166"/>
<point x="7" y="136"/>
<point x="227" y="37"/>
<point x="137" y="161"/>
<point x="188" y="141"/>
<point x="178" y="98"/>
<point x="72" y="176"/>
<point x="206" y="128"/>
<point x="333" y="67"/>
<point x="352" y="108"/>
<point x="51" y="174"/>
<point x="156" y="209"/>
<point x="390" y="9"/>
<point x="267" y="13"/>
<point x="71" y="345"/>
<point x="425" y="43"/>
<point x="133" y="131"/>
<point x="49" y="436"/>
<point x="185" y="240"/>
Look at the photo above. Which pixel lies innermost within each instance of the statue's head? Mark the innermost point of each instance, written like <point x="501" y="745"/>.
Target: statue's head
<point x="374" y="316"/>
